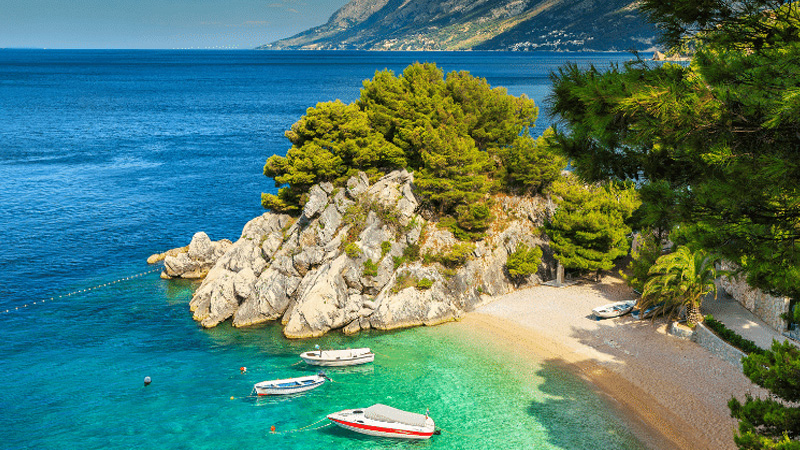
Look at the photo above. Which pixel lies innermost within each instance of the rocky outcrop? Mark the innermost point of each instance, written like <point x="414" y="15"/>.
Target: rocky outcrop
<point x="194" y="260"/>
<point x="360" y="257"/>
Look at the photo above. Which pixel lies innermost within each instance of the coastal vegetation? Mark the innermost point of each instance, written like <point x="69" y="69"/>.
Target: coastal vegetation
<point x="770" y="423"/>
<point x="713" y="145"/>
<point x="588" y="230"/>
<point x="462" y="139"/>
<point x="679" y="281"/>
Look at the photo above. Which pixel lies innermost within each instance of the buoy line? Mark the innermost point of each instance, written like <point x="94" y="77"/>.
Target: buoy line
<point x="82" y="291"/>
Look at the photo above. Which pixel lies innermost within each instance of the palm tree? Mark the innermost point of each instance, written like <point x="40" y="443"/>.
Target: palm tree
<point x="681" y="279"/>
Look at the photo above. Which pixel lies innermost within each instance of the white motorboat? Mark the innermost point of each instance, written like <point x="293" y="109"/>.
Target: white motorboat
<point x="385" y="421"/>
<point x="614" y="309"/>
<point x="338" y="358"/>
<point x="290" y="385"/>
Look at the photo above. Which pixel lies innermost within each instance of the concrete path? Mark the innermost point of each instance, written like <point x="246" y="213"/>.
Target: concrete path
<point x="740" y="320"/>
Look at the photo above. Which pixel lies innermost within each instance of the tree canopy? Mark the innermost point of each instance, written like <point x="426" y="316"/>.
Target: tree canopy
<point x="719" y="138"/>
<point x="462" y="139"/>
<point x="588" y="230"/>
<point x="771" y="423"/>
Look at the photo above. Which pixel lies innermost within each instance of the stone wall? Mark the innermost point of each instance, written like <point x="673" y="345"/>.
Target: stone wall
<point x="766" y="307"/>
<point x="709" y="341"/>
<point x="713" y="343"/>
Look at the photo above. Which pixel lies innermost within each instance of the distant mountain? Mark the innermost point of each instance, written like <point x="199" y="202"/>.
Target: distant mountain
<point x="562" y="25"/>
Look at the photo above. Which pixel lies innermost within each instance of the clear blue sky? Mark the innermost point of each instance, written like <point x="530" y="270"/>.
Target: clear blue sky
<point x="157" y="23"/>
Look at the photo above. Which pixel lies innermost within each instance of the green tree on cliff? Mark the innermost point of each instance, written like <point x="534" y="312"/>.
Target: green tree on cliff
<point x="588" y="230"/>
<point x="462" y="139"/>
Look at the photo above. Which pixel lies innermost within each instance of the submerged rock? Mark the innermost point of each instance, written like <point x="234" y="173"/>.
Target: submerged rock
<point x="343" y="264"/>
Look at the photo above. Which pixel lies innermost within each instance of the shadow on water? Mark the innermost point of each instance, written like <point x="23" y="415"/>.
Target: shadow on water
<point x="574" y="415"/>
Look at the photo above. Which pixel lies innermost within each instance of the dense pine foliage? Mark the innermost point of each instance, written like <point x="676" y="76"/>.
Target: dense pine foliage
<point x="462" y="139"/>
<point x="716" y="145"/>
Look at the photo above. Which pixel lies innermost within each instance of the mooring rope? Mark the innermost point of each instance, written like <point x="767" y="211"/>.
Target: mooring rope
<point x="82" y="291"/>
<point x="305" y="428"/>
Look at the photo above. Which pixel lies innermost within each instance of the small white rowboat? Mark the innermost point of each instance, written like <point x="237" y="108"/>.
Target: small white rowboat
<point x="385" y="421"/>
<point x="339" y="358"/>
<point x="290" y="385"/>
<point x="614" y="309"/>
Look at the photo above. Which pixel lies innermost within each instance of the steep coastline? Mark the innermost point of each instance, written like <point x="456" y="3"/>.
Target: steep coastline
<point x="359" y="257"/>
<point x="517" y="25"/>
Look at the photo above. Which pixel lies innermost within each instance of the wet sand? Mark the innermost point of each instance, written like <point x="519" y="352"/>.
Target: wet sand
<point x="672" y="393"/>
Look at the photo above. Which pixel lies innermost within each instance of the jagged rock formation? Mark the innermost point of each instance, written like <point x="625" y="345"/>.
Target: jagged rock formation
<point x="361" y="257"/>
<point x="479" y="25"/>
<point x="193" y="261"/>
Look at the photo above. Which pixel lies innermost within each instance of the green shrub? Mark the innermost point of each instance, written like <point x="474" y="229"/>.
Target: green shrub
<point x="386" y="246"/>
<point x="352" y="250"/>
<point x="403" y="281"/>
<point x="524" y="261"/>
<point x="456" y="257"/>
<point x="424" y="283"/>
<point x="731" y="337"/>
<point x="370" y="268"/>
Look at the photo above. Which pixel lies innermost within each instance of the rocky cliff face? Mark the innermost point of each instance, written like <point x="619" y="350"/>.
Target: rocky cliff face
<point x="361" y="257"/>
<point x="479" y="24"/>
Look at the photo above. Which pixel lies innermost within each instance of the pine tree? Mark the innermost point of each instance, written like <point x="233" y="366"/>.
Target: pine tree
<point x="771" y="423"/>
<point x="588" y="230"/>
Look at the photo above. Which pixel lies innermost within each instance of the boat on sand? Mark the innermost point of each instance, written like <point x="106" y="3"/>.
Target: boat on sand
<point x="614" y="309"/>
<point x="290" y="385"/>
<point x="385" y="421"/>
<point x="338" y="358"/>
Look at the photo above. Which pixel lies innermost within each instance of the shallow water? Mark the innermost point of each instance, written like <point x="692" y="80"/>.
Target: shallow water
<point x="109" y="156"/>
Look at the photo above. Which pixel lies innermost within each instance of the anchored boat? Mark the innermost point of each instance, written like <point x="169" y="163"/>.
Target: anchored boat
<point x="338" y="358"/>
<point x="385" y="421"/>
<point x="614" y="309"/>
<point x="290" y="385"/>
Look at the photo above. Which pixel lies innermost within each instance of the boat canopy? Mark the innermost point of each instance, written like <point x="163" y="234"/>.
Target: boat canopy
<point x="385" y="413"/>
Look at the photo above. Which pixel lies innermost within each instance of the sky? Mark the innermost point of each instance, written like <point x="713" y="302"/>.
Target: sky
<point x="157" y="24"/>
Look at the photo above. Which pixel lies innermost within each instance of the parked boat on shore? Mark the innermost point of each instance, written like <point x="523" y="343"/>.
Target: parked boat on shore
<point x="647" y="313"/>
<point x="614" y="309"/>
<point x="290" y="385"/>
<point x="385" y="421"/>
<point x="338" y="358"/>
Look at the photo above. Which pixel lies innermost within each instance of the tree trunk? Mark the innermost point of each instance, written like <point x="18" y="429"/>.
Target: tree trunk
<point x="693" y="315"/>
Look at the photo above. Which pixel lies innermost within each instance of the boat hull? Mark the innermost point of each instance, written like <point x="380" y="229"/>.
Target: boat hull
<point x="338" y="358"/>
<point x="382" y="431"/>
<point x="287" y="387"/>
<point x="614" y="309"/>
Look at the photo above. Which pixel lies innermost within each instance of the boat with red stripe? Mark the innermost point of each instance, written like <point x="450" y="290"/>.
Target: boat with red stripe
<point x="385" y="421"/>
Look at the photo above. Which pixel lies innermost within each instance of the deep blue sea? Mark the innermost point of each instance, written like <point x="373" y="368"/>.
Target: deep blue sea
<point x="109" y="156"/>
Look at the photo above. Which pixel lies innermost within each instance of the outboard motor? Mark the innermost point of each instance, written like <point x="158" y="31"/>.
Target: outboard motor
<point x="322" y="374"/>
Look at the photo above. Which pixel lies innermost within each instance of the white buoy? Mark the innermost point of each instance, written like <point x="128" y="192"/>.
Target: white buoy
<point x="147" y="381"/>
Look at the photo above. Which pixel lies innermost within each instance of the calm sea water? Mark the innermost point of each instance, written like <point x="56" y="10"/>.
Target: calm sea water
<point x="109" y="156"/>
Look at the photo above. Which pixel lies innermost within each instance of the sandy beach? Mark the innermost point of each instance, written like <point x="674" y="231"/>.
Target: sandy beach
<point x="672" y="393"/>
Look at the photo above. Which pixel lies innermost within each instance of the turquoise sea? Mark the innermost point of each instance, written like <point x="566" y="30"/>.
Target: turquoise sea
<point x="109" y="156"/>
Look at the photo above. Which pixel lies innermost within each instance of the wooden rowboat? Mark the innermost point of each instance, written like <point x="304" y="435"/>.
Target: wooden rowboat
<point x="338" y="358"/>
<point x="290" y="385"/>
<point x="614" y="309"/>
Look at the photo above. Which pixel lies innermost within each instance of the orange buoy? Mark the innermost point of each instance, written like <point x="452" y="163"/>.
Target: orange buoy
<point x="243" y="369"/>
<point x="272" y="429"/>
